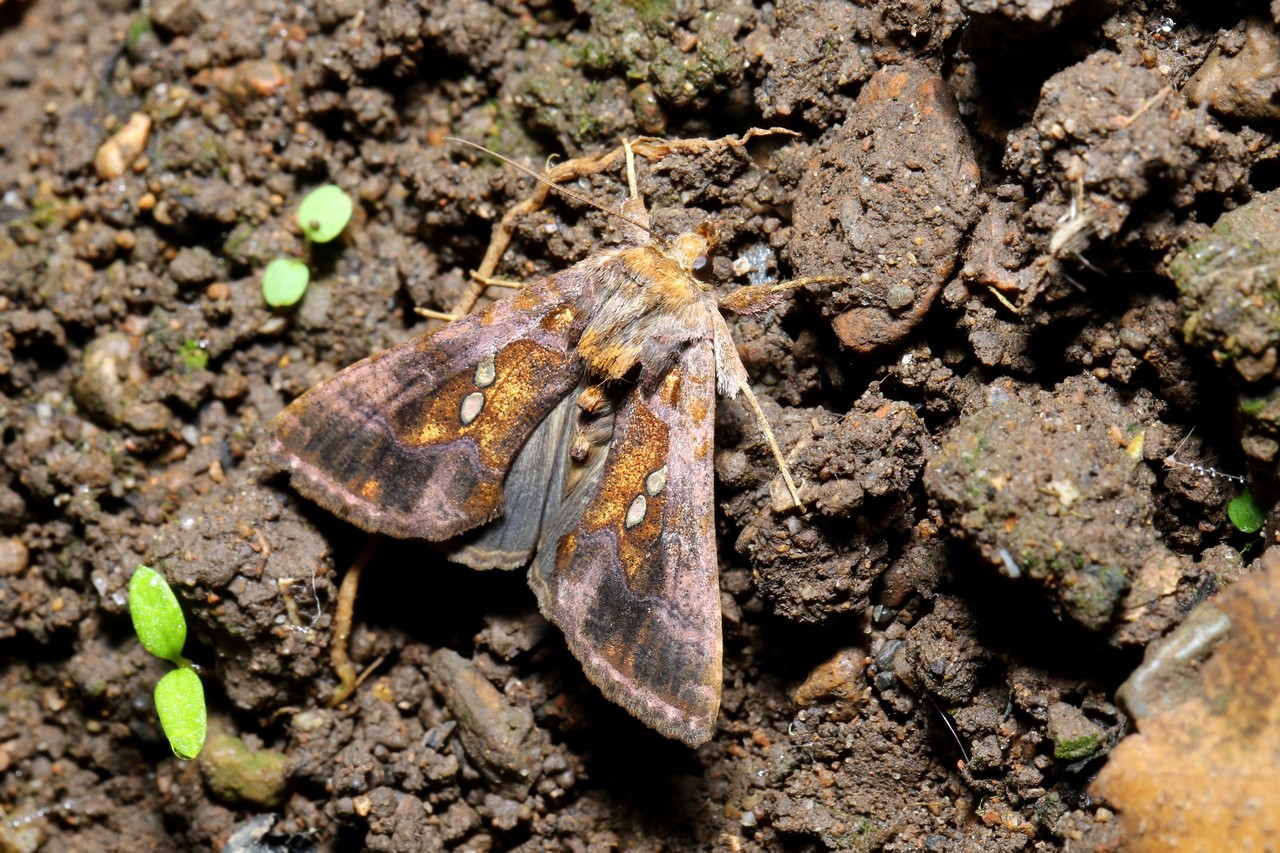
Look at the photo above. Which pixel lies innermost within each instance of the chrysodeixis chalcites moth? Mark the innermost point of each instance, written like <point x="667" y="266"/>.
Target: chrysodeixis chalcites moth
<point x="571" y="423"/>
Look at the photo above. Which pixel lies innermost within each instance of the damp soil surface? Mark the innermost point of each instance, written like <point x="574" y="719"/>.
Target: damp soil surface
<point x="1026" y="394"/>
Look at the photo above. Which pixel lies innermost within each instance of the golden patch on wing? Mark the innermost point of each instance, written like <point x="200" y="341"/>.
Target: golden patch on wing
<point x="526" y="299"/>
<point x="699" y="408"/>
<point x="624" y="655"/>
<point x="669" y="393"/>
<point x="625" y="502"/>
<point x="521" y="370"/>
<point x="483" y="500"/>
<point x="557" y="322"/>
<point x="620" y="648"/>
<point x="566" y="560"/>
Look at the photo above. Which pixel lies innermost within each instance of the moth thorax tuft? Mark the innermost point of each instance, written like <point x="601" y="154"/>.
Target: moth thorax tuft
<point x="691" y="251"/>
<point x="592" y="400"/>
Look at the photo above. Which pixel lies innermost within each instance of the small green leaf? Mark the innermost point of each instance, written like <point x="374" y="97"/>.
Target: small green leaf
<point x="180" y="706"/>
<point x="139" y="28"/>
<point x="284" y="281"/>
<point x="324" y="213"/>
<point x="1245" y="513"/>
<point x="157" y="618"/>
<point x="193" y="355"/>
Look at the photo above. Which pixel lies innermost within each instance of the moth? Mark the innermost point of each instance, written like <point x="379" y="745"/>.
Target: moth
<point x="571" y="424"/>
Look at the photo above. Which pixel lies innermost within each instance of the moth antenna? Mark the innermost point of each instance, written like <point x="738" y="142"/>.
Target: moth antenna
<point x="1172" y="461"/>
<point x="954" y="734"/>
<point x="773" y="445"/>
<point x="542" y="179"/>
<point x="1172" y="458"/>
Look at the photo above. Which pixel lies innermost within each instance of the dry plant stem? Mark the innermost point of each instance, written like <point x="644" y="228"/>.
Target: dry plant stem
<point x="1003" y="300"/>
<point x="1077" y="220"/>
<point x="1144" y="106"/>
<point x="649" y="147"/>
<point x="348" y="679"/>
<point x="497" y="282"/>
<point x="432" y="314"/>
<point x="290" y="606"/>
<point x="264" y="548"/>
<point x="368" y="671"/>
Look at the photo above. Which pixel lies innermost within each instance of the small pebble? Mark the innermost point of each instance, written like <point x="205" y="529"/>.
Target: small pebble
<point x="116" y="154"/>
<point x="14" y="556"/>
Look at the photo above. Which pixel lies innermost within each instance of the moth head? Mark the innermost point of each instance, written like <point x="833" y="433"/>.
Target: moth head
<point x="692" y="250"/>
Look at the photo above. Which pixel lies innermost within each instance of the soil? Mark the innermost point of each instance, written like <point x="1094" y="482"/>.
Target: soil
<point x="1051" y="228"/>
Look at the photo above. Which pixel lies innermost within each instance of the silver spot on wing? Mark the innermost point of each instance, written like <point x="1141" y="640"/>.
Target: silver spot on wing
<point x="656" y="482"/>
<point x="635" y="512"/>
<point x="486" y="372"/>
<point x="472" y="405"/>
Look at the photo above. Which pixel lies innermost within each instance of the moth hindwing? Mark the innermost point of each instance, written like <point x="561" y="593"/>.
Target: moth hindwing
<point x="572" y="423"/>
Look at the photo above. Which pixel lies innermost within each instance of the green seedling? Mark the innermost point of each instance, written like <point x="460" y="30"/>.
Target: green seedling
<point x="284" y="281"/>
<point x="193" y="355"/>
<point x="323" y="214"/>
<point x="162" y="629"/>
<point x="1245" y="513"/>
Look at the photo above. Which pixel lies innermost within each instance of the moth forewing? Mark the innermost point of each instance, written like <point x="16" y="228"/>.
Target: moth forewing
<point x="416" y="441"/>
<point x="731" y="374"/>
<point x="628" y="568"/>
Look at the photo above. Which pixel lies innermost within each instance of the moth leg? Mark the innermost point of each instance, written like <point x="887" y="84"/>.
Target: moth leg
<point x="769" y="439"/>
<point x="348" y="680"/>
<point x="593" y="430"/>
<point x="758" y="298"/>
